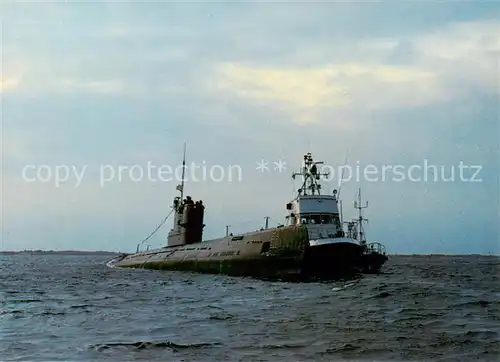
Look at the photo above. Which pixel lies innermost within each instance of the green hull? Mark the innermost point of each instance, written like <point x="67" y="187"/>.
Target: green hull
<point x="265" y="253"/>
<point x="257" y="267"/>
<point x="271" y="253"/>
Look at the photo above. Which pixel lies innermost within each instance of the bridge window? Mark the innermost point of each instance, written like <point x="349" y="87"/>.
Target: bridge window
<point x="327" y="219"/>
<point x="315" y="219"/>
<point x="320" y="219"/>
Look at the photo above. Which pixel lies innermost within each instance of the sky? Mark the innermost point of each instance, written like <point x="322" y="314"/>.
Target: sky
<point x="96" y="93"/>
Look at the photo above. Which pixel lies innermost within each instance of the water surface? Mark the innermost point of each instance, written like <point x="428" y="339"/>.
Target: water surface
<point x="72" y="308"/>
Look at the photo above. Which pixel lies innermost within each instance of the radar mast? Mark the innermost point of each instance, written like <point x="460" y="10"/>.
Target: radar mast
<point x="310" y="175"/>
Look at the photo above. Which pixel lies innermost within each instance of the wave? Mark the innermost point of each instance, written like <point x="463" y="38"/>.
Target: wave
<point x="151" y="344"/>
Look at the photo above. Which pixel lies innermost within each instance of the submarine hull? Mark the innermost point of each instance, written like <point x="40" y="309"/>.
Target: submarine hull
<point x="283" y="253"/>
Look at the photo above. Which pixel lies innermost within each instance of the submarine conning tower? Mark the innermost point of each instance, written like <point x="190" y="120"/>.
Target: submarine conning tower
<point x="188" y="222"/>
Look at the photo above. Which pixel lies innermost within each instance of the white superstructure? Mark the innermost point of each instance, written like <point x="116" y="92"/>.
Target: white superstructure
<point x="319" y="213"/>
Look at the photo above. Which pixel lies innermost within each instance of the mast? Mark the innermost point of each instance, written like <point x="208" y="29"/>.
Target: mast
<point x="360" y="208"/>
<point x="183" y="171"/>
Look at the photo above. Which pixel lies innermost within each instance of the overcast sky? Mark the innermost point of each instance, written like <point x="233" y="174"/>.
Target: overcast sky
<point x="97" y="86"/>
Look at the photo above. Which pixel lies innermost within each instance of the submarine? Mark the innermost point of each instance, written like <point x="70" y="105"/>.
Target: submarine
<point x="311" y="244"/>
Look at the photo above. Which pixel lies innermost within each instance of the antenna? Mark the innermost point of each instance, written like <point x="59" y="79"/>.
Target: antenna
<point x="342" y="176"/>
<point x="341" y="214"/>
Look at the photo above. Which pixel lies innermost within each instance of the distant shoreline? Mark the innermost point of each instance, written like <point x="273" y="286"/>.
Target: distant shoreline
<point x="59" y="252"/>
<point x="439" y="255"/>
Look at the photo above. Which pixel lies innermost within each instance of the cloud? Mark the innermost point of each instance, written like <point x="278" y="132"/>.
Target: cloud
<point x="304" y="88"/>
<point x="335" y="86"/>
<point x="8" y="83"/>
<point x="444" y="66"/>
<point x="467" y="52"/>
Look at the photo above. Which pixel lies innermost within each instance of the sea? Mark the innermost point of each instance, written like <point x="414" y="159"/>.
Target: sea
<point x="420" y="308"/>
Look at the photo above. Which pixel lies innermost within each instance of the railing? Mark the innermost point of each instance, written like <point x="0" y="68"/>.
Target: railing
<point x="376" y="248"/>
